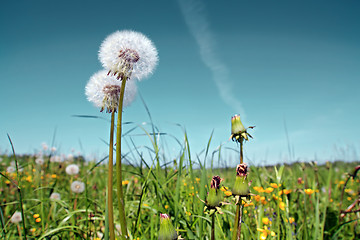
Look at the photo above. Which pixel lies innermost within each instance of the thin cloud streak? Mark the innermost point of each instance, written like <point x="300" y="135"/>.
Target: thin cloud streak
<point x="195" y="18"/>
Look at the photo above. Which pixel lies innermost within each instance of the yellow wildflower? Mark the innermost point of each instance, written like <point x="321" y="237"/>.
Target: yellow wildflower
<point x="38" y="220"/>
<point x="282" y="205"/>
<point x="126" y="182"/>
<point x="228" y="193"/>
<point x="274" y="185"/>
<point x="269" y="190"/>
<point x="36" y="215"/>
<point x="265" y="220"/>
<point x="309" y="191"/>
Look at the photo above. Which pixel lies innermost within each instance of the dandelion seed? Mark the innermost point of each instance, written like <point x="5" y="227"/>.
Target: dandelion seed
<point x="55" y="159"/>
<point x="104" y="91"/>
<point x="72" y="169"/>
<point x="77" y="187"/>
<point x="128" y="53"/>
<point x="16" y="217"/>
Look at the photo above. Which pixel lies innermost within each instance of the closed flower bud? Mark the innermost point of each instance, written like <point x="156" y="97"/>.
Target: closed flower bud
<point x="215" y="196"/>
<point x="167" y="230"/>
<point x="241" y="186"/>
<point x="238" y="131"/>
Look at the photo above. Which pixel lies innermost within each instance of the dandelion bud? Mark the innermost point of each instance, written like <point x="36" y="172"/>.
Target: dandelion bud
<point x="241" y="186"/>
<point x="167" y="230"/>
<point x="215" y="196"/>
<point x="238" y="131"/>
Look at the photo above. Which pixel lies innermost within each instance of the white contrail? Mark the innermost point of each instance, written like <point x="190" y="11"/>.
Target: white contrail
<point x="197" y="22"/>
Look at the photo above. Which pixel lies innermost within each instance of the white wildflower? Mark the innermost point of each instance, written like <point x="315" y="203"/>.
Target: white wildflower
<point x="77" y="187"/>
<point x="16" y="217"/>
<point x="55" y="196"/>
<point x="55" y="158"/>
<point x="104" y="91"/>
<point x="128" y="53"/>
<point x="72" y="169"/>
<point x="39" y="161"/>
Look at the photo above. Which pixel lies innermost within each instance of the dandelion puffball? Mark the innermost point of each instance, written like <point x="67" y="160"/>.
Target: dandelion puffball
<point x="128" y="53"/>
<point x="72" y="169"/>
<point x="77" y="187"/>
<point x="103" y="91"/>
<point x="39" y="161"/>
<point x="55" y="196"/>
<point x="16" y="217"/>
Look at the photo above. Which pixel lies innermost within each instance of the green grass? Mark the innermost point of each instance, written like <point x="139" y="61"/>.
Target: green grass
<point x="175" y="186"/>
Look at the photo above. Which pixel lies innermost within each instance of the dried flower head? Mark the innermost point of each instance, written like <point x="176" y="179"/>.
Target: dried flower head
<point x="104" y="91"/>
<point x="241" y="170"/>
<point x="128" y="53"/>
<point x="214" y="197"/>
<point x="77" y="187"/>
<point x="55" y="196"/>
<point x="241" y="186"/>
<point x="16" y="217"/>
<point x="72" y="169"/>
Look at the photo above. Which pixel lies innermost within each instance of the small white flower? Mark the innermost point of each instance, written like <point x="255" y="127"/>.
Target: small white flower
<point x="55" y="196"/>
<point x="16" y="217"/>
<point x="53" y="149"/>
<point x="70" y="157"/>
<point x="45" y="146"/>
<point x="72" y="169"/>
<point x="10" y="169"/>
<point x="130" y="53"/>
<point x="104" y="91"/>
<point x="39" y="161"/>
<point x="77" y="187"/>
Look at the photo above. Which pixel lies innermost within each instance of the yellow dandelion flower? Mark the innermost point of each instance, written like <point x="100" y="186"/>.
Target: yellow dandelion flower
<point x="126" y="182"/>
<point x="53" y="176"/>
<point x="269" y="190"/>
<point x="38" y="220"/>
<point x="36" y="215"/>
<point x="166" y="206"/>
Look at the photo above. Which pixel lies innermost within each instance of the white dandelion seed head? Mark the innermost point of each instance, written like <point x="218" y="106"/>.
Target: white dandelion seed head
<point x="128" y="52"/>
<point x="16" y="217"/>
<point x="104" y="91"/>
<point x="55" y="196"/>
<point x="10" y="169"/>
<point x="39" y="161"/>
<point x="70" y="157"/>
<point x="77" y="187"/>
<point x="72" y="169"/>
<point x="55" y="159"/>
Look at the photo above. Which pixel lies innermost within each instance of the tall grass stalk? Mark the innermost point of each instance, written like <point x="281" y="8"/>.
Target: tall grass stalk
<point x="121" y="202"/>
<point x="19" y="188"/>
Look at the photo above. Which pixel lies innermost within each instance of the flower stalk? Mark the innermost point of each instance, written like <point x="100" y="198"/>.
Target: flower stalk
<point x="110" y="180"/>
<point x="121" y="201"/>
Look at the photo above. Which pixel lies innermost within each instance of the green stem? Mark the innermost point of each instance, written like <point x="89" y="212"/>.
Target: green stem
<point x="120" y="195"/>
<point x="213" y="227"/>
<point x="110" y="180"/>
<point x="237" y="224"/>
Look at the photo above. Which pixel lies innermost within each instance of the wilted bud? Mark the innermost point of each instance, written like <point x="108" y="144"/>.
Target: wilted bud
<point x="215" y="196"/>
<point x="241" y="186"/>
<point x="167" y="230"/>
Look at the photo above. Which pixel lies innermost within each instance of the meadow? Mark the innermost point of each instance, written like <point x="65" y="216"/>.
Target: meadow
<point x="297" y="201"/>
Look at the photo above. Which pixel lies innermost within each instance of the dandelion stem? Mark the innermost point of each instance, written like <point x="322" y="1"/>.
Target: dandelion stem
<point x="213" y="227"/>
<point x="110" y="180"/>
<point x="239" y="206"/>
<point x="120" y="195"/>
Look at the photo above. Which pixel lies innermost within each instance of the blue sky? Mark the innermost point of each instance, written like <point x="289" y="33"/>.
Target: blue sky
<point x="282" y="65"/>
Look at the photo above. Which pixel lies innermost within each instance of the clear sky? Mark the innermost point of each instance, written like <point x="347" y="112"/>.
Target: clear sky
<point x="281" y="65"/>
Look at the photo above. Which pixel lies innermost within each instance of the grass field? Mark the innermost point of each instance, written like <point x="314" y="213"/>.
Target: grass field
<point x="297" y="201"/>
